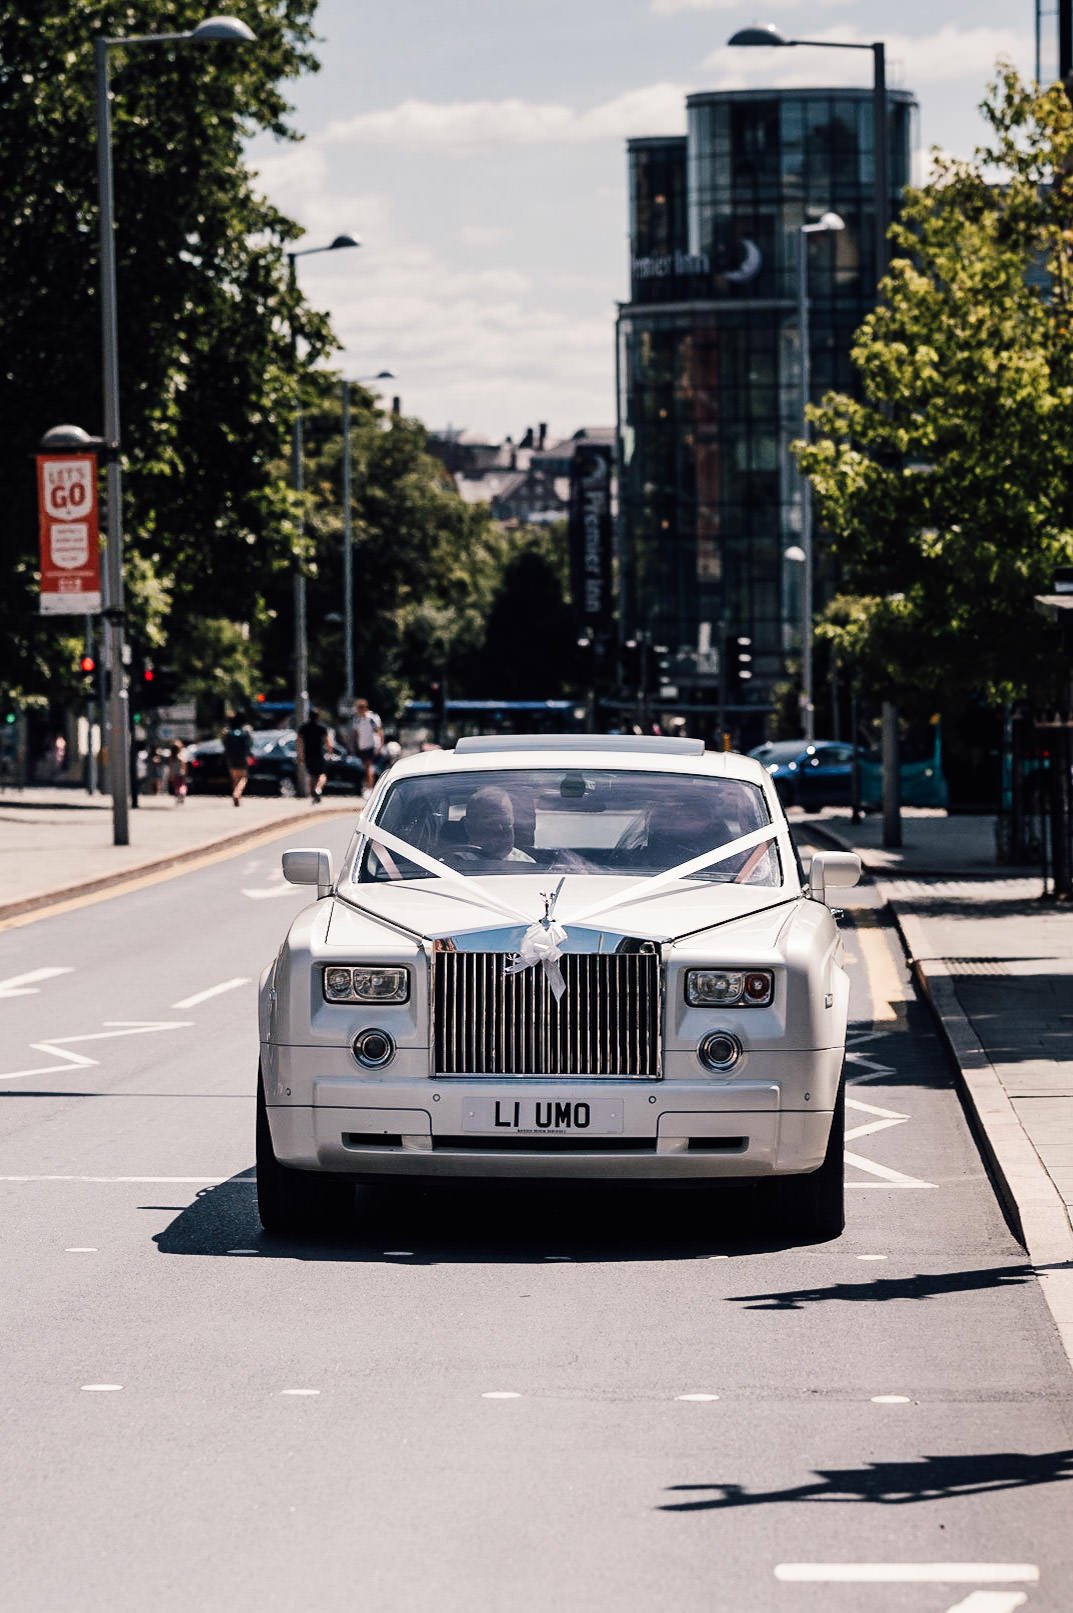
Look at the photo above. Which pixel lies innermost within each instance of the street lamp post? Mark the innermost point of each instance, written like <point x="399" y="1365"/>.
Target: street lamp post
<point x="348" y="540"/>
<point x="225" y="30"/>
<point x="827" y="223"/>
<point x="301" y="635"/>
<point x="767" y="34"/>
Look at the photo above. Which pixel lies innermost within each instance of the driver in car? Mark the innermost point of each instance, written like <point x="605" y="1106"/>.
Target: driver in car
<point x="489" y="829"/>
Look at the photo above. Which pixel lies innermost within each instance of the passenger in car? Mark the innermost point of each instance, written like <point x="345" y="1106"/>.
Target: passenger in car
<point x="490" y="830"/>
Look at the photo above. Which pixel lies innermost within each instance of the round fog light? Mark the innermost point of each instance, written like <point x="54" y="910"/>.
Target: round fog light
<point x="374" y="1049"/>
<point x="719" y="1050"/>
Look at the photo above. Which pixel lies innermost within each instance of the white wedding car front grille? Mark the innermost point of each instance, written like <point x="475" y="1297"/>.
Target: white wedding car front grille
<point x="489" y="1022"/>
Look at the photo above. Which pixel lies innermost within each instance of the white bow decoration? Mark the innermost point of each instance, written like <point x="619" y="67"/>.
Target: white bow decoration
<point x="542" y="943"/>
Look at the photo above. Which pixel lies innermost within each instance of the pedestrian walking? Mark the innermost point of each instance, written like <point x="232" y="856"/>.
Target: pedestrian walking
<point x="176" y="771"/>
<point x="238" y="745"/>
<point x="368" y="739"/>
<point x="312" y="747"/>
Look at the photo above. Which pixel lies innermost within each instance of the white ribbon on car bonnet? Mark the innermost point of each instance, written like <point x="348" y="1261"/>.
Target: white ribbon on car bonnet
<point x="544" y="938"/>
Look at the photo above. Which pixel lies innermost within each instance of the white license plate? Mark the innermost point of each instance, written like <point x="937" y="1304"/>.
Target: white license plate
<point x="542" y="1117"/>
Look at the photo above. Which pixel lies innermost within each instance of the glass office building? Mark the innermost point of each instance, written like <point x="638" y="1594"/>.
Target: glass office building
<point x="709" y="369"/>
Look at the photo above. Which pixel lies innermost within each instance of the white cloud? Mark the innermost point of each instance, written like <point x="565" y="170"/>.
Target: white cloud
<point x="481" y="235"/>
<point x="464" y="125"/>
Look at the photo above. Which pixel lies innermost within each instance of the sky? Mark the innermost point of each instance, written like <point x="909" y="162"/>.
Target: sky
<point x="477" y="148"/>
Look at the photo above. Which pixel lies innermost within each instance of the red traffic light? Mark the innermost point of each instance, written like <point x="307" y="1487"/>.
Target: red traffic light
<point x="260" y="699"/>
<point x="149" y="674"/>
<point x="87" y="664"/>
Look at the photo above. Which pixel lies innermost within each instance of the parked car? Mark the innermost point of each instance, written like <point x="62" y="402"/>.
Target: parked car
<point x="810" y="774"/>
<point x="276" y="769"/>
<point x="273" y="766"/>
<point x="820" y="773"/>
<point x="559" y="957"/>
<point x="207" y="770"/>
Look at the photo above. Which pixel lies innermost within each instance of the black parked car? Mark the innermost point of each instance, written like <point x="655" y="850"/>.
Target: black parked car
<point x="275" y="769"/>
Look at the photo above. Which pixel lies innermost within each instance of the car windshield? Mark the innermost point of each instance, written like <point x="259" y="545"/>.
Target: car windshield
<point x="573" y="820"/>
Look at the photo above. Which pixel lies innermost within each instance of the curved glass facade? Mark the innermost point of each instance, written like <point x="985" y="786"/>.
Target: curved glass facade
<point x="709" y="365"/>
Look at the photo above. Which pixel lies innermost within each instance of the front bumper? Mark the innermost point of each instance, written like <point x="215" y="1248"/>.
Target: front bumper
<point x="776" y="1121"/>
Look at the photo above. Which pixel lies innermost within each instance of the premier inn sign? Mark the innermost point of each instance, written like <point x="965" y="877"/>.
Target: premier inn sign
<point x="590" y="532"/>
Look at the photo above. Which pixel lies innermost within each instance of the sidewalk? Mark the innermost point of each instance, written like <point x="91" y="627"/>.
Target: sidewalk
<point x="56" y="844"/>
<point x="996" y="963"/>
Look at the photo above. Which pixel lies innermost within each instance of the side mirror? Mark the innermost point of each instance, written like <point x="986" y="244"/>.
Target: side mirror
<point x="835" y="869"/>
<point x="309" y="865"/>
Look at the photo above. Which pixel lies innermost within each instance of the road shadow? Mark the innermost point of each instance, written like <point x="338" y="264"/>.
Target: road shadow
<point x="884" y="1289"/>
<point x="933" y="1478"/>
<point x="494" y="1223"/>
<point x="905" y="1053"/>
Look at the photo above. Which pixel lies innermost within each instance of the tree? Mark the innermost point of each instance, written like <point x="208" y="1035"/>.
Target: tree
<point x="947" y="486"/>
<point x="426" y="564"/>
<point x="206" y="314"/>
<point x="530" y="646"/>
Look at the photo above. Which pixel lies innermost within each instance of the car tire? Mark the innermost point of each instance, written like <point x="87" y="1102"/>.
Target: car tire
<point x="813" y="1206"/>
<point x="287" y="789"/>
<point x="294" y="1203"/>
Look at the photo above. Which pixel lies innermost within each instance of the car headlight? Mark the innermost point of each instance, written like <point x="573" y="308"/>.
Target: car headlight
<point x="721" y="988"/>
<point x="365" y="983"/>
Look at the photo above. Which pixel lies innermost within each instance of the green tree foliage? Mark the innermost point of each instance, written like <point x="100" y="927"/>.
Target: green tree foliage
<point x="205" y="313"/>
<point x="426" y="565"/>
<point x="947" y="487"/>
<point x="530" y="649"/>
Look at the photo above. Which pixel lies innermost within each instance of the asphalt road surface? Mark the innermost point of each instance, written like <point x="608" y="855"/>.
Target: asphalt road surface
<point x="488" y="1399"/>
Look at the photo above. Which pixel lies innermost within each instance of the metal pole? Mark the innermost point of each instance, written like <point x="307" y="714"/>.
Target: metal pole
<point x="348" y="562"/>
<point x="301" y="641"/>
<point x="881" y="165"/>
<point x="892" y="803"/>
<point x="118" y="723"/>
<point x="807" y="708"/>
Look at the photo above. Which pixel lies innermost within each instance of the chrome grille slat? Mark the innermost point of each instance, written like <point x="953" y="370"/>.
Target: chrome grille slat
<point x="487" y="1022"/>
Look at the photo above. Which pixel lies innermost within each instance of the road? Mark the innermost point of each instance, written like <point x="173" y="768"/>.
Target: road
<point x="488" y="1399"/>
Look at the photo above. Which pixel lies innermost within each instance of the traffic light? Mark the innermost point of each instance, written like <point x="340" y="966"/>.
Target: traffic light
<point x="739" y="665"/>
<point x="437" y="691"/>
<point x="87" y="665"/>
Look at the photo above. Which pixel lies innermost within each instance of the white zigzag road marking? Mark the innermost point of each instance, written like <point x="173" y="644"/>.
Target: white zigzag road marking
<point x="871" y="1070"/>
<point x="80" y="1061"/>
<point x="26" y="985"/>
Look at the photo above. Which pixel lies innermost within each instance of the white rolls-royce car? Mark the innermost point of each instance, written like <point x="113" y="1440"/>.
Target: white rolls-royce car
<point x="569" y="957"/>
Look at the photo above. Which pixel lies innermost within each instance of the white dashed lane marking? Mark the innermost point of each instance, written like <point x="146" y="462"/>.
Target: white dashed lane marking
<point x="890" y="1400"/>
<point x="101" y="1388"/>
<point x="501" y="1394"/>
<point x="212" y="991"/>
<point x="908" y="1573"/>
<point x="696" y="1397"/>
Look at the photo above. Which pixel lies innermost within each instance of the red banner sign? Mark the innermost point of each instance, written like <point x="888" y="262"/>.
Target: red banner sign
<point x="70" y="552"/>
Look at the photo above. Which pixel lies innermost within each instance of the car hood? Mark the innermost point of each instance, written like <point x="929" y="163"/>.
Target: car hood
<point x="434" y="910"/>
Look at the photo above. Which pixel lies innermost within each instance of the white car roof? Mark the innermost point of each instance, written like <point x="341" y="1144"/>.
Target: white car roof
<point x="633" y="752"/>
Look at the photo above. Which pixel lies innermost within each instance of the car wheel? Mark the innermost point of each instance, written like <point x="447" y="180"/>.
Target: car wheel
<point x="290" y="1202"/>
<point x="287" y="789"/>
<point x="814" y="1205"/>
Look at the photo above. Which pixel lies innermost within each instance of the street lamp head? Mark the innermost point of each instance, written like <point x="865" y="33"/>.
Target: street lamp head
<point x="228" y="30"/>
<point x="66" y="439"/>
<point x="831" y="221"/>
<point x="764" y="33"/>
<point x="795" y="552"/>
<point x="343" y="241"/>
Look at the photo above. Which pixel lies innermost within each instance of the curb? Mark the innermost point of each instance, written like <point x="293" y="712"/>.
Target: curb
<point x="125" y="876"/>
<point x="1033" y="1203"/>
